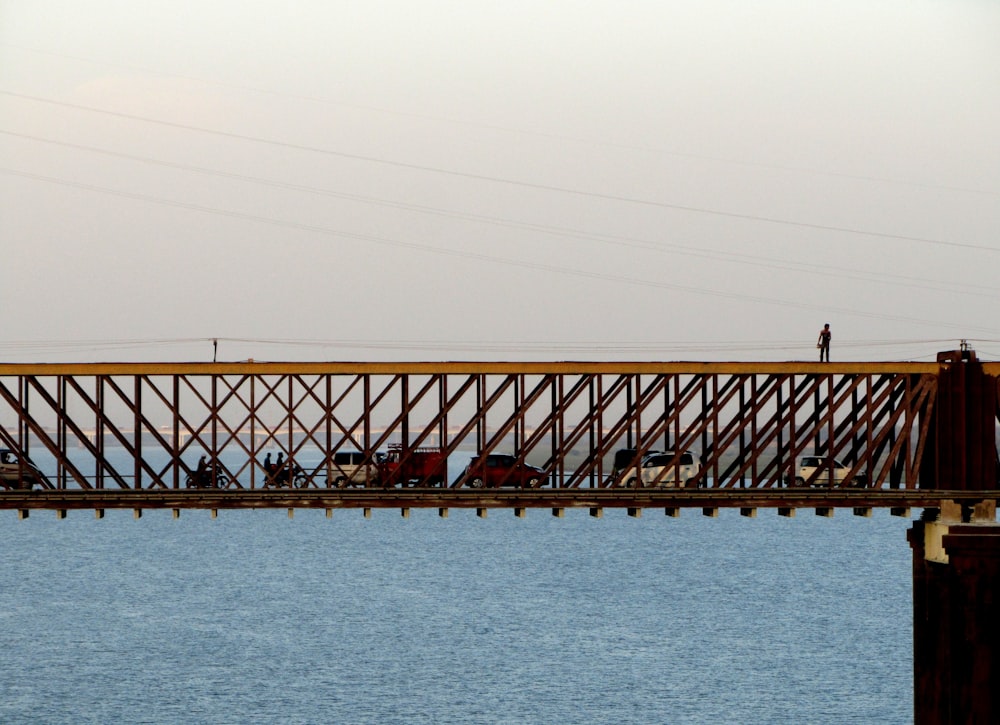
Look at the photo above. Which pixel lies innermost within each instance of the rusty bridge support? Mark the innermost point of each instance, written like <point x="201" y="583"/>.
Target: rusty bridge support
<point x="956" y="554"/>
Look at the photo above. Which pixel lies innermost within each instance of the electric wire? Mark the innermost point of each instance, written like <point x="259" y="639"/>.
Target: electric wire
<point x="500" y="128"/>
<point x="494" y="259"/>
<point x="566" y="232"/>
<point x="505" y="181"/>
<point x="485" y="346"/>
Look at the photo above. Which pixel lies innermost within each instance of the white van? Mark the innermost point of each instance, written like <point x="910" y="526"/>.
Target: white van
<point x="348" y="468"/>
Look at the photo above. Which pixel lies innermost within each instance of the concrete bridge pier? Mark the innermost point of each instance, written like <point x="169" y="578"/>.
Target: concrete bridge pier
<point x="956" y="553"/>
<point x="956" y="616"/>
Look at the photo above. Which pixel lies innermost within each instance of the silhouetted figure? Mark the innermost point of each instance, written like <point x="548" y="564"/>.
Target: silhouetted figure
<point x="278" y="473"/>
<point x="201" y="475"/>
<point x="823" y="343"/>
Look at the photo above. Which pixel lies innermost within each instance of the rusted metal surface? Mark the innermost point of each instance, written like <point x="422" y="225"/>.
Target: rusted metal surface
<point x="416" y="498"/>
<point x="966" y="415"/>
<point x="141" y="428"/>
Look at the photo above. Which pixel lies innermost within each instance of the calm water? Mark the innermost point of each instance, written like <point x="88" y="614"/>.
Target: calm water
<point x="253" y="617"/>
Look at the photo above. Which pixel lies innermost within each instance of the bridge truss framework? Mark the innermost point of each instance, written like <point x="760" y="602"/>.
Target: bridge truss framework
<point x="134" y="431"/>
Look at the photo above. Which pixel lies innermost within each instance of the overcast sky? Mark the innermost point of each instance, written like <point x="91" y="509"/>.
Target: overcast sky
<point x="521" y="180"/>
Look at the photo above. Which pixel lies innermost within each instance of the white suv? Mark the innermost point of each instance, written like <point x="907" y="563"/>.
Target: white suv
<point x="661" y="470"/>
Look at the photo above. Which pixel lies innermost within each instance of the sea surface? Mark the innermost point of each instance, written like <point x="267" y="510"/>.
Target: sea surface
<point x="256" y="617"/>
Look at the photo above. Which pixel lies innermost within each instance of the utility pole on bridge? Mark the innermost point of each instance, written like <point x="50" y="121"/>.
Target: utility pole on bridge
<point x="956" y="554"/>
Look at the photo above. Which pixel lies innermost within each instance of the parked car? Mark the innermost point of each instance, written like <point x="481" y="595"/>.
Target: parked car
<point x="668" y="469"/>
<point x="18" y="474"/>
<point x="815" y="471"/>
<point x="624" y="465"/>
<point x="349" y="468"/>
<point x="501" y="469"/>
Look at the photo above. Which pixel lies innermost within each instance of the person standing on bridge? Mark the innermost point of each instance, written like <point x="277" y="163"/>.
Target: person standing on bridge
<point x="823" y="343"/>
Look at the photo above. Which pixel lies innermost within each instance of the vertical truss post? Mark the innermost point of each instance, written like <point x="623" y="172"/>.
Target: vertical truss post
<point x="99" y="431"/>
<point x="753" y="435"/>
<point x="328" y="422"/>
<point x="817" y="441"/>
<point x="137" y="425"/>
<point x="706" y="410"/>
<point x="367" y="424"/>
<point x="895" y="468"/>
<point x="666" y="411"/>
<point x="289" y="407"/>
<point x="404" y="392"/>
<point x="908" y="449"/>
<point x="630" y="405"/>
<point x="742" y="426"/>
<point x="715" y="431"/>
<point x="555" y="437"/>
<point x="780" y="416"/>
<point x="176" y="429"/>
<point x="61" y="434"/>
<point x="254" y="452"/>
<point x="213" y="458"/>
<point x="853" y="418"/>
<point x="443" y="407"/>
<point x="830" y="429"/>
<point x="22" y="421"/>
<point x="595" y="418"/>
<point x="519" y="424"/>
<point x="869" y="415"/>
<point x="676" y="379"/>
<point x="480" y="414"/>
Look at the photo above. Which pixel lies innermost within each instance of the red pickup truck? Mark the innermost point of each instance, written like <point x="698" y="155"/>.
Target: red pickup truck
<point x="412" y="467"/>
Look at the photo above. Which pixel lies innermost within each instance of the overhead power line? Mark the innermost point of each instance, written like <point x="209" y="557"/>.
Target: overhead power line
<point x="503" y="180"/>
<point x="494" y="259"/>
<point x="825" y="270"/>
<point x="504" y="129"/>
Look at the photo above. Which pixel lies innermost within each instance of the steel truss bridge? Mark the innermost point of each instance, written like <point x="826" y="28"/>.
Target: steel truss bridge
<point x="129" y="435"/>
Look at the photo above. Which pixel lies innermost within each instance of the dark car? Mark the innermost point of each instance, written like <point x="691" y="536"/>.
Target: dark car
<point x="501" y="469"/>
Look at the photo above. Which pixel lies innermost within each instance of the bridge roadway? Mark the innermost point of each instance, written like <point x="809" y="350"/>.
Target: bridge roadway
<point x="786" y="500"/>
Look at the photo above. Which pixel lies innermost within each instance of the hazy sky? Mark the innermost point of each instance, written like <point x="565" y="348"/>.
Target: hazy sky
<point x="520" y="180"/>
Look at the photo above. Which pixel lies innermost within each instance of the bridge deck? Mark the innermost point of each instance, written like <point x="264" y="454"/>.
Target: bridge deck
<point x="898" y="499"/>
